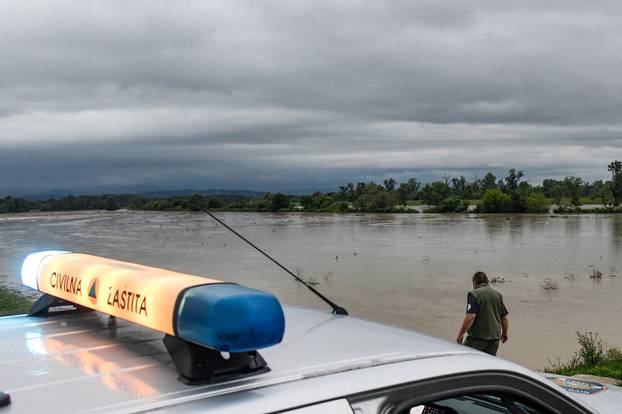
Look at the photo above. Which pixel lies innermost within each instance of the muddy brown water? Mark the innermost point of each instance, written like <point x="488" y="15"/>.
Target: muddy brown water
<point x="407" y="270"/>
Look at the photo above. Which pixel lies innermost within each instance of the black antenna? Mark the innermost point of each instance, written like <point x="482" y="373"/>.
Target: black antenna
<point x="337" y="310"/>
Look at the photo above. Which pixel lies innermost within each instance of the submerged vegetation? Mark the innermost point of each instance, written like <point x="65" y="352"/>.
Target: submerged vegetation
<point x="592" y="358"/>
<point x="510" y="194"/>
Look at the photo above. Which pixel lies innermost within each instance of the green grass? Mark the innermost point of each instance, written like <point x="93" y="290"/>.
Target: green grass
<point x="611" y="369"/>
<point x="589" y="201"/>
<point x="586" y="201"/>
<point x="592" y="358"/>
<point x="12" y="303"/>
<point x="422" y="203"/>
<point x="584" y="210"/>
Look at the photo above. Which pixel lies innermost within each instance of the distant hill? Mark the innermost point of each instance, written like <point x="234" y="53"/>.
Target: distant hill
<point x="209" y="193"/>
<point x="54" y="193"/>
<point x="60" y="193"/>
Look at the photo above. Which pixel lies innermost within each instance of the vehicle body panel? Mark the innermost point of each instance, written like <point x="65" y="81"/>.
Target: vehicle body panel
<point x="83" y="362"/>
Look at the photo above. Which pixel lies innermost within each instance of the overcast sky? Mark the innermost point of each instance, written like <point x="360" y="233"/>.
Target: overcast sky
<point x="297" y="95"/>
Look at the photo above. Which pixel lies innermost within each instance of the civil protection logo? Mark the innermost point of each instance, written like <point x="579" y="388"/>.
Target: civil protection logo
<point x="93" y="287"/>
<point x="580" y="386"/>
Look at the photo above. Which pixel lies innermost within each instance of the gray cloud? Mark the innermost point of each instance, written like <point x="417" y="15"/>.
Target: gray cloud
<point x="275" y="95"/>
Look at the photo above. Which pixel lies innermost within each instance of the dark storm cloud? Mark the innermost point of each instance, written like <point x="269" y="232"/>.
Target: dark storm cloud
<point x="299" y="94"/>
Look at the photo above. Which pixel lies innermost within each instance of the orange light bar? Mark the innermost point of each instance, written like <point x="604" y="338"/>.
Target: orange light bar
<point x="141" y="294"/>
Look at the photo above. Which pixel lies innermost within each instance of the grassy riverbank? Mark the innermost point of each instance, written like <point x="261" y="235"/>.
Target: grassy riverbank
<point x="588" y="210"/>
<point x="592" y="358"/>
<point x="12" y="303"/>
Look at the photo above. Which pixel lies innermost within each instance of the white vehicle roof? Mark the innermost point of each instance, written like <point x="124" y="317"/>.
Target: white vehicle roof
<point x="80" y="362"/>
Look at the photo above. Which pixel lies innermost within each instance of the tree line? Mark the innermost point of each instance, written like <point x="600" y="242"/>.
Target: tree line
<point x="509" y="194"/>
<point x="490" y="194"/>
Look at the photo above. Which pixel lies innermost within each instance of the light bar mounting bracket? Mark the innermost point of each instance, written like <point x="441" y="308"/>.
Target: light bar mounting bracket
<point x="198" y="365"/>
<point x="48" y="305"/>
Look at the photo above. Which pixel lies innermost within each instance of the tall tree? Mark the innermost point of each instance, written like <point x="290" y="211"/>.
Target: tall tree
<point x="389" y="184"/>
<point x="572" y="185"/>
<point x="513" y="179"/>
<point x="615" y="168"/>
<point x="278" y="202"/>
<point x="459" y="185"/>
<point x="557" y="193"/>
<point x="408" y="191"/>
<point x="605" y="194"/>
<point x="434" y="193"/>
<point x="489" y="181"/>
<point x="360" y="187"/>
<point x="343" y="191"/>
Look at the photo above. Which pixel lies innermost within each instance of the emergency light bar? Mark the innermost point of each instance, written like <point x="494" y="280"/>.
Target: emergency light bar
<point x="221" y="316"/>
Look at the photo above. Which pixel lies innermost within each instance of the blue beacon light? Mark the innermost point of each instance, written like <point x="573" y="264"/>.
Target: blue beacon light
<point x="229" y="318"/>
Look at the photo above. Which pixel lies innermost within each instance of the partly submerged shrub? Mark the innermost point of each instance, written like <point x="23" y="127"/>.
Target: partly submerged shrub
<point x="495" y="201"/>
<point x="537" y="203"/>
<point x="452" y="204"/>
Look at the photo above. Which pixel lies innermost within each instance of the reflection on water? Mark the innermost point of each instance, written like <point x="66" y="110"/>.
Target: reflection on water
<point x="494" y="226"/>
<point x="573" y="226"/>
<point x="616" y="233"/>
<point x="408" y="270"/>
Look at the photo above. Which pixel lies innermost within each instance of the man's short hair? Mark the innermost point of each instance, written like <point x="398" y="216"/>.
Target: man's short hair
<point x="479" y="278"/>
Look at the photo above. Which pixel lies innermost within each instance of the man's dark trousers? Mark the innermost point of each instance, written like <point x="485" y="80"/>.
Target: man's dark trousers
<point x="490" y="346"/>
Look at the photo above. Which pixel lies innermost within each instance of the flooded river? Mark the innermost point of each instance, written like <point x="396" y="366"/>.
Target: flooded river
<point x="406" y="270"/>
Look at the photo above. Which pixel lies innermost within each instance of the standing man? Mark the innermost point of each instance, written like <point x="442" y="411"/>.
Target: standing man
<point x="486" y="319"/>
